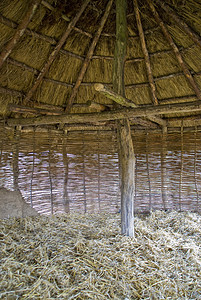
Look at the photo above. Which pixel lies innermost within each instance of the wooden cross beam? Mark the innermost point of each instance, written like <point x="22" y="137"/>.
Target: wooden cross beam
<point x="144" y="111"/>
<point x="124" y="102"/>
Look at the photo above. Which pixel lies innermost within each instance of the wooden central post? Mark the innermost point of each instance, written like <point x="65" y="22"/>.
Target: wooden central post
<point x="125" y="144"/>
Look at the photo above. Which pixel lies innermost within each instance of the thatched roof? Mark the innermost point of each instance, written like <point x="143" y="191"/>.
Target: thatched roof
<point x="53" y="52"/>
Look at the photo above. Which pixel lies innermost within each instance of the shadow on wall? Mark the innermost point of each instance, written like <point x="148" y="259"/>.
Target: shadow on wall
<point x="13" y="205"/>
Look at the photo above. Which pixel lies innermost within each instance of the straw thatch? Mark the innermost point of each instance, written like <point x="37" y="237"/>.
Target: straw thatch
<point x="85" y="257"/>
<point x="48" y="24"/>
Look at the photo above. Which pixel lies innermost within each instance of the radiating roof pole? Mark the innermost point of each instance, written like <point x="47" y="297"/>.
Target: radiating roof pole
<point x="185" y="27"/>
<point x="55" y="52"/>
<point x="19" y="32"/>
<point x="88" y="56"/>
<point x="125" y="143"/>
<point x="178" y="55"/>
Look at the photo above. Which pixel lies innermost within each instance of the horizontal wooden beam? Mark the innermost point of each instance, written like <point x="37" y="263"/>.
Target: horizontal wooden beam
<point x="124" y="101"/>
<point x="145" y="111"/>
<point x="45" y="109"/>
<point x="33" y="110"/>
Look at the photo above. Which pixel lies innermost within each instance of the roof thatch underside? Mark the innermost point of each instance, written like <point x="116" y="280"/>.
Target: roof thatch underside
<point x="23" y="63"/>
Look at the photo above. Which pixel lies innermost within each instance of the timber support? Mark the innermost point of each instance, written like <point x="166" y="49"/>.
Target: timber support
<point x="126" y="152"/>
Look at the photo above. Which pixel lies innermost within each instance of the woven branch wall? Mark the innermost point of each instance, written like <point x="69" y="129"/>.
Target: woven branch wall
<point x="78" y="172"/>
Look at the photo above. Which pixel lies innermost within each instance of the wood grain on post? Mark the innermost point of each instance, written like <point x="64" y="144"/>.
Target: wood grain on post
<point x="125" y="143"/>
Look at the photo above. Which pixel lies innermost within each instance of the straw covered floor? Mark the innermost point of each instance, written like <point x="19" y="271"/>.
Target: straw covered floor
<point x="86" y="257"/>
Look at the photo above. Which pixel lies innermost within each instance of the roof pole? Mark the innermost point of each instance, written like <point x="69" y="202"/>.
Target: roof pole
<point x="125" y="144"/>
<point x="19" y="31"/>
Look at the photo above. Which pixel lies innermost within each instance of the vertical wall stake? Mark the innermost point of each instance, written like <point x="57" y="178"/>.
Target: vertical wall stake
<point x="33" y="163"/>
<point x="66" y="201"/>
<point x="148" y="173"/>
<point x="182" y="165"/>
<point x="195" y="169"/>
<point x="84" y="175"/>
<point x="15" y="159"/>
<point x="50" y="176"/>
<point x="99" y="198"/>
<point x="163" y="170"/>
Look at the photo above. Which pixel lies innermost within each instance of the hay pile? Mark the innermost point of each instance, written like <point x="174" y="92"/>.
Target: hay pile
<point x="85" y="257"/>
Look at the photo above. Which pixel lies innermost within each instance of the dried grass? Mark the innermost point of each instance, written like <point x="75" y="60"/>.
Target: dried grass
<point x="85" y="257"/>
<point x="34" y="52"/>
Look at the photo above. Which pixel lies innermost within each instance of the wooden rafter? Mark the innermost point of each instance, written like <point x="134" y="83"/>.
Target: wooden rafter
<point x="124" y="101"/>
<point x="88" y="56"/>
<point x="145" y="52"/>
<point x="19" y="31"/>
<point x="55" y="52"/>
<point x="36" y="72"/>
<point x="185" y="27"/>
<point x="180" y="60"/>
<point x="53" y="41"/>
<point x="148" y="110"/>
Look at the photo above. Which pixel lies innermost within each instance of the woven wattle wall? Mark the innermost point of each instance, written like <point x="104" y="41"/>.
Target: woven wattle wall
<point x="78" y="172"/>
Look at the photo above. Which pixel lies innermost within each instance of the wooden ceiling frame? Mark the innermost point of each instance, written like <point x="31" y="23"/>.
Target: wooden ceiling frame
<point x="19" y="31"/>
<point x="123" y="101"/>
<point x="175" y="49"/>
<point x="148" y="110"/>
<point x="88" y="56"/>
<point x="55" y="52"/>
<point x="145" y="53"/>
<point x="185" y="27"/>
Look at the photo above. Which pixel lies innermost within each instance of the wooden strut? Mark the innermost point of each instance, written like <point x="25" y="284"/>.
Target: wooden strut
<point x="144" y="111"/>
<point x="19" y="31"/>
<point x="180" y="60"/>
<point x="145" y="52"/>
<point x="185" y="27"/>
<point x="55" y="52"/>
<point x="88" y="56"/>
<point x="124" y="101"/>
<point x="125" y="143"/>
